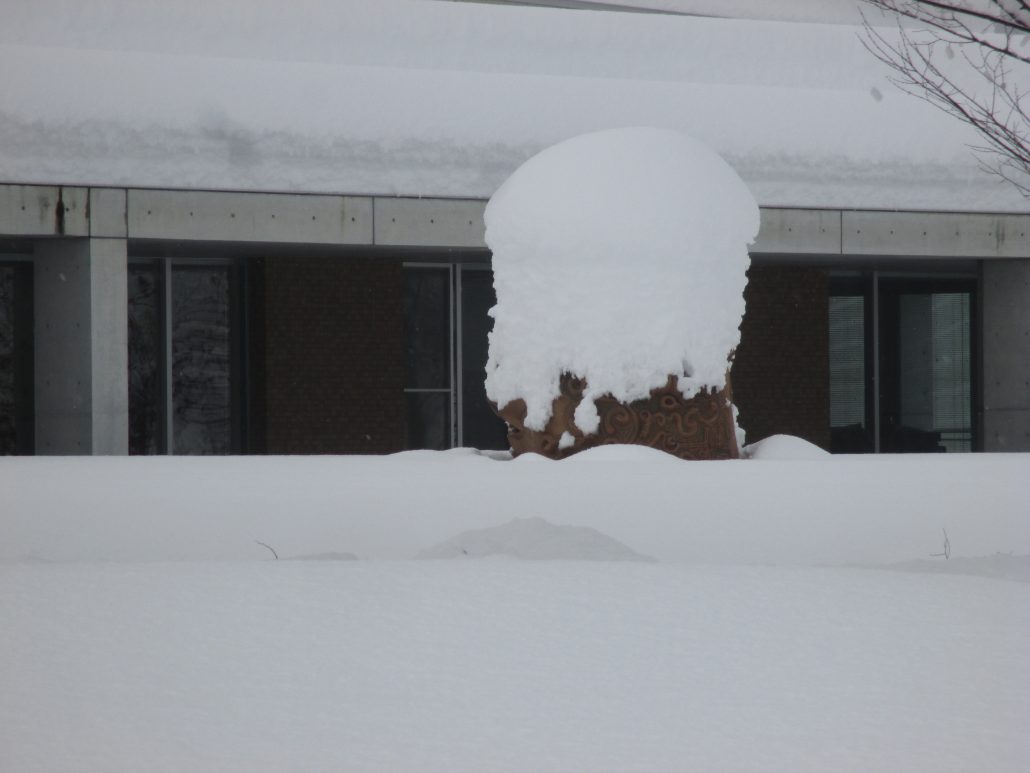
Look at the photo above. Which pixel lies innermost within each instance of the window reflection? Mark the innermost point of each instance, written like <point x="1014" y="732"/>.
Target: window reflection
<point x="145" y="389"/>
<point x="16" y="343"/>
<point x="201" y="363"/>
<point x="182" y="359"/>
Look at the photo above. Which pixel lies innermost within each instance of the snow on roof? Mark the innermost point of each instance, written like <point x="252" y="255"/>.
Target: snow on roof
<point x="821" y="11"/>
<point x="447" y="99"/>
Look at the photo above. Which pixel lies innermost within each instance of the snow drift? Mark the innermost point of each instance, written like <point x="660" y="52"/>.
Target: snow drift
<point x="535" y="539"/>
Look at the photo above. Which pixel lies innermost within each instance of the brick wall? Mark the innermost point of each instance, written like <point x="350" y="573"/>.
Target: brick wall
<point x="328" y="351"/>
<point x="781" y="375"/>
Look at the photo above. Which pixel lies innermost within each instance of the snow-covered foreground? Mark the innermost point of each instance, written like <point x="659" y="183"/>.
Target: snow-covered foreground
<point x="791" y="505"/>
<point x="144" y="629"/>
<point x="508" y="665"/>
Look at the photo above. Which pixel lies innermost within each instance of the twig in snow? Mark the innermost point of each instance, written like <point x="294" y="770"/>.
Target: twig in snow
<point x="262" y="544"/>
<point x="947" y="547"/>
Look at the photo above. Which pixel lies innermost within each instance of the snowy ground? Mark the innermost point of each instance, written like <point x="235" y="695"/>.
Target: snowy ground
<point x="507" y="665"/>
<point x="145" y="630"/>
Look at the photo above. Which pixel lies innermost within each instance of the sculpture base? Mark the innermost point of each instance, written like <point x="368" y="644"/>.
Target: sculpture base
<point x="701" y="427"/>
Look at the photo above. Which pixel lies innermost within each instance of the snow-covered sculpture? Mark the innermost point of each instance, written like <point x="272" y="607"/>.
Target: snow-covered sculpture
<point x="619" y="261"/>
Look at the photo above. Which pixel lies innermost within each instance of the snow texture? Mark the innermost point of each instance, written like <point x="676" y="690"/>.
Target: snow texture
<point x="145" y="630"/>
<point x="619" y="257"/>
<point x="448" y="99"/>
<point x="819" y="11"/>
<point x="826" y="510"/>
<point x="535" y="539"/>
<point x="509" y="666"/>
<point x="784" y="447"/>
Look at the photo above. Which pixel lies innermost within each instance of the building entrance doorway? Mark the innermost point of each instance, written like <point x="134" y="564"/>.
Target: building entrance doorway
<point x="902" y="356"/>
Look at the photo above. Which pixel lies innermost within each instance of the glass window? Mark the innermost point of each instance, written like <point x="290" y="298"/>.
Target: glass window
<point x="427" y="328"/>
<point x="146" y="404"/>
<point x="429" y="420"/>
<point x="427" y="356"/>
<point x="184" y="358"/>
<point x="16" y="359"/>
<point x="848" y="423"/>
<point x="935" y="379"/>
<point x="201" y="360"/>
<point x="480" y="426"/>
<point x="909" y="388"/>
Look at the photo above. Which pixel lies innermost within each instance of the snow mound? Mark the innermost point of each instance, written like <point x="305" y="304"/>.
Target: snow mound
<point x="618" y="256"/>
<point x="784" y="447"/>
<point x="535" y="539"/>
<point x="1000" y="566"/>
<point x="622" y="452"/>
<point x="330" y="556"/>
<point x="425" y="455"/>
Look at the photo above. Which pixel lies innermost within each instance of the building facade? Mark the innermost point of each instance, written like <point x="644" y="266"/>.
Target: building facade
<point x="157" y="321"/>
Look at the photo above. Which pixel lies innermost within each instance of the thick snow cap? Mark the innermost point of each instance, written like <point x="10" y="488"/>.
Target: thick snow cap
<point x="620" y="257"/>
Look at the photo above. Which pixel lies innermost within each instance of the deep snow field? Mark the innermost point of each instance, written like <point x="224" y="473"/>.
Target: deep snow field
<point x="776" y="613"/>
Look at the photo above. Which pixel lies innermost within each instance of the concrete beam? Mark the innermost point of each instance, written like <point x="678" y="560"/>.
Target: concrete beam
<point x="81" y="346"/>
<point x="454" y="223"/>
<point x="281" y="218"/>
<point x="935" y="234"/>
<point x="43" y="210"/>
<point x="107" y="213"/>
<point x="249" y="217"/>
<point x="798" y="232"/>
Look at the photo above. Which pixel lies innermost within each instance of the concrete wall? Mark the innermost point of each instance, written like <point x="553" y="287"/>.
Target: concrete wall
<point x="1006" y="355"/>
<point x="81" y="347"/>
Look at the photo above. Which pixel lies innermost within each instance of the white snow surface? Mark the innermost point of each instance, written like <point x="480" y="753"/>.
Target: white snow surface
<point x="536" y="539"/>
<point x="422" y="98"/>
<point x="827" y="510"/>
<point x="508" y="666"/>
<point x="619" y="257"/>
<point x="821" y="11"/>
<point x="784" y="447"/>
<point x="145" y="630"/>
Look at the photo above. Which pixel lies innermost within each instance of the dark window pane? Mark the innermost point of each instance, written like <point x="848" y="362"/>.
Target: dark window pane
<point x="201" y="360"/>
<point x="847" y="361"/>
<point x="145" y="387"/>
<point x="427" y="331"/>
<point x="849" y="428"/>
<point x="8" y="435"/>
<point x="480" y="426"/>
<point x="935" y="376"/>
<point x="429" y="420"/>
<point x="16" y="379"/>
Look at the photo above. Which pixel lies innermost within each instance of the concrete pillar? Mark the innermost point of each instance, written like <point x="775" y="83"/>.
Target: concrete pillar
<point x="81" y="346"/>
<point x="1006" y="355"/>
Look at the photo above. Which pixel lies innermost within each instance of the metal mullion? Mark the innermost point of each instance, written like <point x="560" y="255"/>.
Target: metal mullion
<point x="454" y="340"/>
<point x="876" y="362"/>
<point x="459" y="394"/>
<point x="166" y="357"/>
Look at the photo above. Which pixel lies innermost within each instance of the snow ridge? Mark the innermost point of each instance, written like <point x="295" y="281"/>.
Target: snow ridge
<point x="536" y="539"/>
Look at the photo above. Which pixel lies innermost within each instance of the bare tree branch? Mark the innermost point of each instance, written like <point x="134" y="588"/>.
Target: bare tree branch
<point x="262" y="544"/>
<point x="947" y="548"/>
<point x="980" y="86"/>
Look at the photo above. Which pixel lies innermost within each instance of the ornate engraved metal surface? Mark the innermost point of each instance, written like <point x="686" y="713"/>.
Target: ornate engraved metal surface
<point x="697" y="428"/>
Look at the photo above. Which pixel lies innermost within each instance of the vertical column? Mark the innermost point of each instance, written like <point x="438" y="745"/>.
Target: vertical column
<point x="82" y="404"/>
<point x="110" y="346"/>
<point x="1006" y="355"/>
